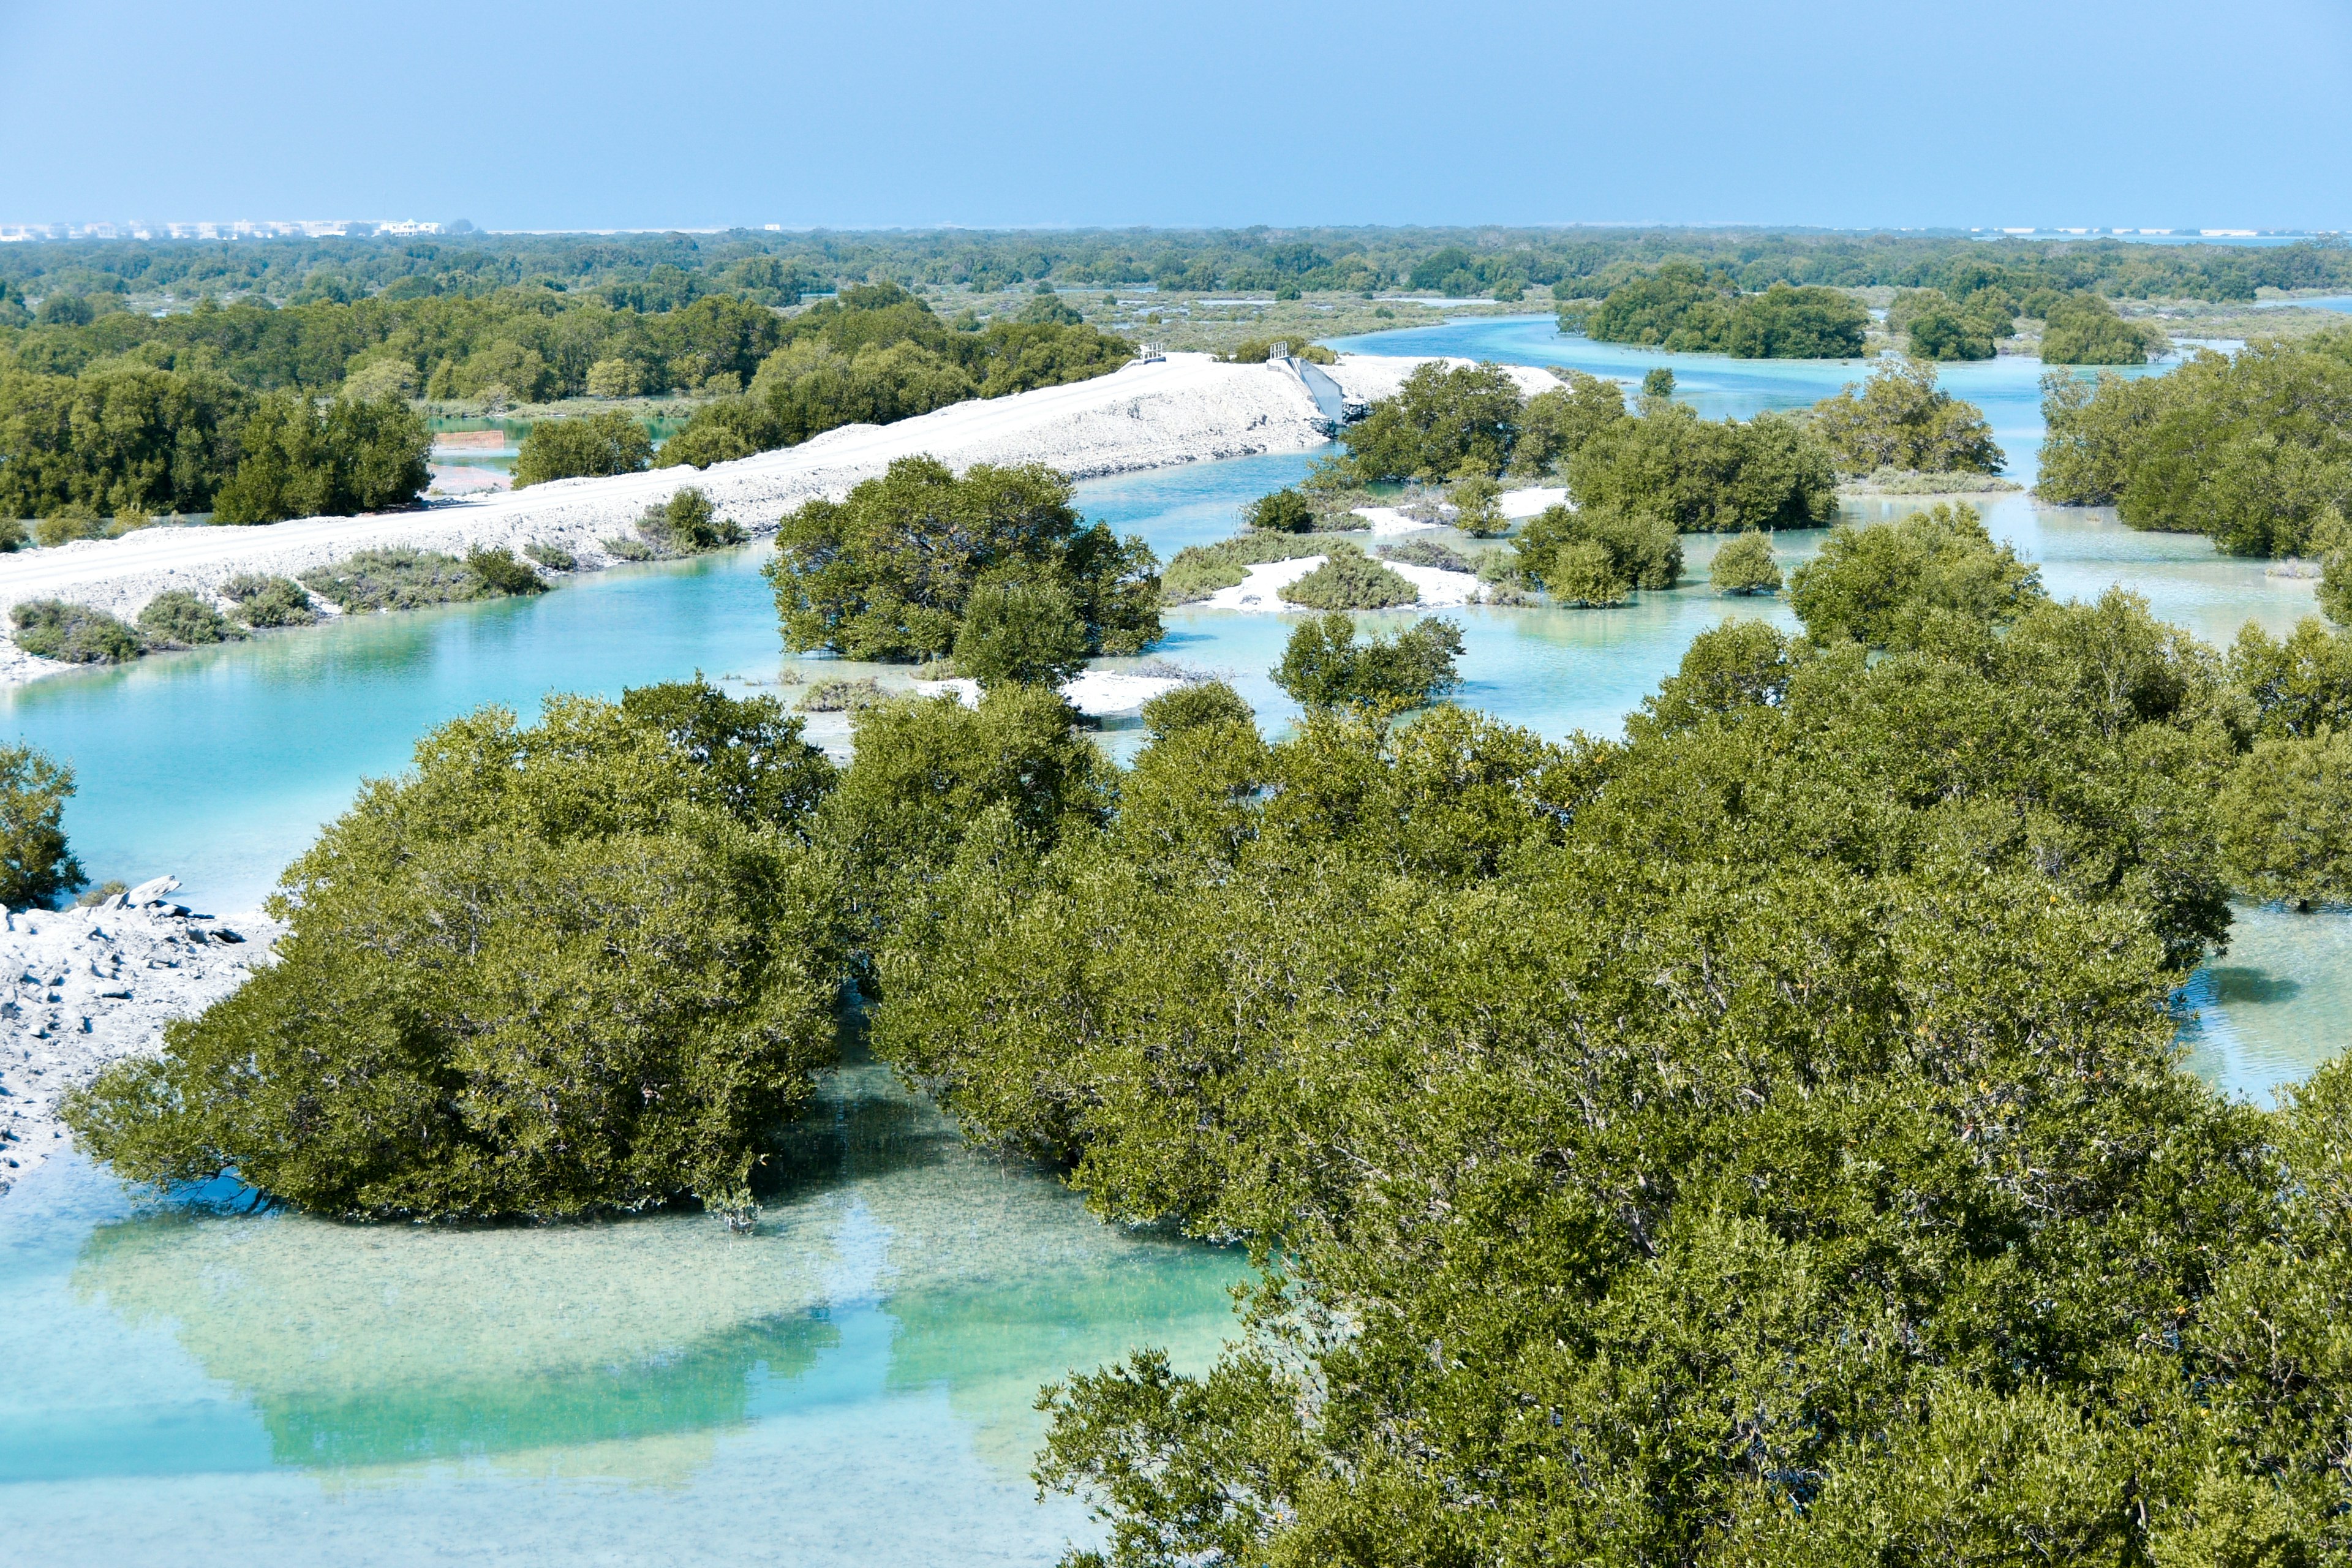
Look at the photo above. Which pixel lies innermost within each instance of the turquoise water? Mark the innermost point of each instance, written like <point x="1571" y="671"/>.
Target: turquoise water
<point x="189" y="1383"/>
<point x="852" y="1384"/>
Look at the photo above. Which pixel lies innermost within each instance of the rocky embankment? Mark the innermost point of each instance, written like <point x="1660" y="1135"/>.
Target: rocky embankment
<point x="88" y="985"/>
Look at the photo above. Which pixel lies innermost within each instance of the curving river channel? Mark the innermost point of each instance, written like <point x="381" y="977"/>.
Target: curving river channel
<point x="191" y="1383"/>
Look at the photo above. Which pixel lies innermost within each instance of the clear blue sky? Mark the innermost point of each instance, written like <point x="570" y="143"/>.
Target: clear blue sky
<point x="529" y="114"/>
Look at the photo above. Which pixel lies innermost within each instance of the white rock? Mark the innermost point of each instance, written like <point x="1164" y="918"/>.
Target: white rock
<point x="79" y="989"/>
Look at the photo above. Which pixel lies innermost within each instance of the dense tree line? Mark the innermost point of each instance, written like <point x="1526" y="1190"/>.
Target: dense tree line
<point x="2255" y="449"/>
<point x="662" y="272"/>
<point x="524" y="343"/>
<point x="1680" y="308"/>
<point x="125" y="440"/>
<point x="877" y="354"/>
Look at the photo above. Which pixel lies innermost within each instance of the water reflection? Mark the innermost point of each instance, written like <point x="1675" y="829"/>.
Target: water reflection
<point x="890" y="1261"/>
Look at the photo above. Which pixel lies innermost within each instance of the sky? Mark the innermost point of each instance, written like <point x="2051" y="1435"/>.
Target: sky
<point x="915" y="113"/>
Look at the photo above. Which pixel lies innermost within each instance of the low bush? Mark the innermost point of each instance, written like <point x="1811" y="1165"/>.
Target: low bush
<point x="51" y="628"/>
<point x="1193" y="706"/>
<point x="1745" y="565"/>
<point x="1427" y="552"/>
<point x="1580" y="572"/>
<point x="843" y="696"/>
<point x="1200" y="569"/>
<point x="397" y="580"/>
<point x="1350" y="580"/>
<point x="554" y="557"/>
<point x="268" y="601"/>
<point x="501" y="570"/>
<point x="1283" y="512"/>
<point x="685" y="524"/>
<point x="67" y="525"/>
<point x="13" y="536"/>
<point x="177" y="618"/>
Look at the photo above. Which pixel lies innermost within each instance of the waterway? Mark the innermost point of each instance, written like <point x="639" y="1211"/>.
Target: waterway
<point x="192" y="1382"/>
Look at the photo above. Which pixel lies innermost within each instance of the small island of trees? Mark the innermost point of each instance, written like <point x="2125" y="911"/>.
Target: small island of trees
<point x="1683" y="308"/>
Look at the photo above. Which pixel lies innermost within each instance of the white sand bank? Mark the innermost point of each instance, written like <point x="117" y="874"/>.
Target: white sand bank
<point x="1185" y="408"/>
<point x="1097" y="693"/>
<point x="85" y="986"/>
<point x="1261" y="592"/>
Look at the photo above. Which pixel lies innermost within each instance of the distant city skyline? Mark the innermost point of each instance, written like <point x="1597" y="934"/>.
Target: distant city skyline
<point x="592" y="115"/>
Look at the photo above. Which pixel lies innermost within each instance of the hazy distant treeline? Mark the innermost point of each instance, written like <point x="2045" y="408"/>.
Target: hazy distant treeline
<point x="662" y="272"/>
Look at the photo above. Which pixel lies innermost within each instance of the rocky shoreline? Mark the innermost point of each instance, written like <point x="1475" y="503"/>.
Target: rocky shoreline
<point x="87" y="986"/>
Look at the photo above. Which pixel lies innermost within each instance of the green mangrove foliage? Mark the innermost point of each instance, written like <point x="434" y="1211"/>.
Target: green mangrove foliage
<point x="2285" y="819"/>
<point x="1200" y="570"/>
<point x="885" y="573"/>
<point x="1350" y="580"/>
<point x="1019" y="627"/>
<point x="37" y="866"/>
<point x="1441" y="422"/>
<point x="1901" y="419"/>
<point x="1939" y="326"/>
<point x="587" y="448"/>
<point x="1745" y="565"/>
<point x="1704" y="476"/>
<point x="875" y="355"/>
<point x="1682" y="307"/>
<point x="1597" y="1107"/>
<point x="1598" y="555"/>
<point x="584" y="964"/>
<point x="1470" y="424"/>
<point x="1323" y="666"/>
<point x="1257" y="351"/>
<point x="303" y="461"/>
<point x="2080" y="328"/>
<point x="2254" y="449"/>
<point x="1280" y="511"/>
<point x="126" y="440"/>
<point x="1930" y="577"/>
<point x="1554" y="424"/>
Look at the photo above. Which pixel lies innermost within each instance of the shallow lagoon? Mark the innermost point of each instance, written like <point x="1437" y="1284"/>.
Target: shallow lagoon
<point x="853" y="1384"/>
